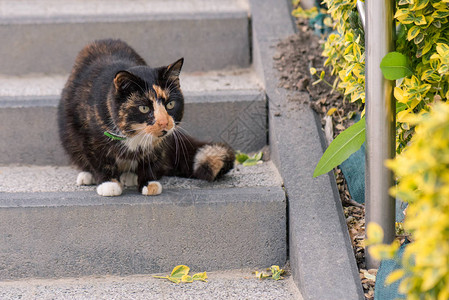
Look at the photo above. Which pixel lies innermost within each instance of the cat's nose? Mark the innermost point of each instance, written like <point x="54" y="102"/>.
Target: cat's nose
<point x="162" y="122"/>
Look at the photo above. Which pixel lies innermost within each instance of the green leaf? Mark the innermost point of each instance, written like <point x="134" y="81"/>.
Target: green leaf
<point x="246" y="160"/>
<point x="258" y="156"/>
<point x="322" y="74"/>
<point x="276" y="272"/>
<point x="241" y="157"/>
<point x="250" y="162"/>
<point x="395" y="65"/>
<point x="413" y="32"/>
<point x="346" y="143"/>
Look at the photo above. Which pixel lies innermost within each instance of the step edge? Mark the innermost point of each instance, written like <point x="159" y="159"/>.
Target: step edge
<point x="112" y="18"/>
<point x="176" y="196"/>
<point x="190" y="97"/>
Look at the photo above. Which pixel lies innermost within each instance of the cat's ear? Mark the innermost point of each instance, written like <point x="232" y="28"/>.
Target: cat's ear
<point x="172" y="71"/>
<point x="125" y="81"/>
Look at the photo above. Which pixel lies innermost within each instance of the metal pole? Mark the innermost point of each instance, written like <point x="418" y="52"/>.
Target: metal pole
<point x="361" y="10"/>
<point x="380" y="120"/>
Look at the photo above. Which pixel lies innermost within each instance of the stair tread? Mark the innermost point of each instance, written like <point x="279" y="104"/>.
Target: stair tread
<point x="23" y="11"/>
<point x="237" y="222"/>
<point x="38" y="86"/>
<point x="44" y="179"/>
<point x="233" y="284"/>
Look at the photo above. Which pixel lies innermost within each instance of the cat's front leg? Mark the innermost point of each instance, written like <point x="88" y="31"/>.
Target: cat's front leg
<point x="110" y="188"/>
<point x="109" y="185"/>
<point x="147" y="180"/>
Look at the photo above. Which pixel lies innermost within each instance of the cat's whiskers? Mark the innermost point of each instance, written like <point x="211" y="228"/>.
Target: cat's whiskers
<point x="182" y="144"/>
<point x="175" y="138"/>
<point x="184" y="133"/>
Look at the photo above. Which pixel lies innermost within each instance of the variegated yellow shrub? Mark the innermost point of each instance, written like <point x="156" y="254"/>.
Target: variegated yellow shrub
<point x="423" y="36"/>
<point x="345" y="50"/>
<point x="423" y="173"/>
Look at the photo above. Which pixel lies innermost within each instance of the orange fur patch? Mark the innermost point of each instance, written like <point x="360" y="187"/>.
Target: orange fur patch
<point x="153" y="188"/>
<point x="160" y="93"/>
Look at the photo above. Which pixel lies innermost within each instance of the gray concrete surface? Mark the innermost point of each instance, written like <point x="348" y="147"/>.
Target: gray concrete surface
<point x="320" y="252"/>
<point x="237" y="222"/>
<point x="210" y="35"/>
<point x="226" y="106"/>
<point x="222" y="285"/>
<point x="39" y="179"/>
<point x="27" y="86"/>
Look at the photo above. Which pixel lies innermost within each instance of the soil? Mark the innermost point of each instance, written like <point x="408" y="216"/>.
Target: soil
<point x="294" y="58"/>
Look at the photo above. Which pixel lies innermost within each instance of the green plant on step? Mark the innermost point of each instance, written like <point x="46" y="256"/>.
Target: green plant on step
<point x="181" y="274"/>
<point x="276" y="273"/>
<point x="246" y="160"/>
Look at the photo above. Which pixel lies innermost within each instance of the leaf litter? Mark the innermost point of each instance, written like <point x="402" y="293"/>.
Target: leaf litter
<point x="295" y="58"/>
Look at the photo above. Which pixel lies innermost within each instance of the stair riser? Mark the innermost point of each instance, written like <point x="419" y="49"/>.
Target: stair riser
<point x="205" y="229"/>
<point x="51" y="46"/>
<point x="29" y="134"/>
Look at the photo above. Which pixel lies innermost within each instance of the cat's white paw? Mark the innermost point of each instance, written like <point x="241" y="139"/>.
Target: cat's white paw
<point x="109" y="188"/>
<point x="84" y="178"/>
<point x="128" y="179"/>
<point x="152" y="188"/>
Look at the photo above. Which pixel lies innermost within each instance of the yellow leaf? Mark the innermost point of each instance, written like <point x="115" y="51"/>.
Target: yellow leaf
<point x="444" y="294"/>
<point x="430" y="277"/>
<point x="394" y="276"/>
<point x="413" y="32"/>
<point x="404" y="286"/>
<point x="399" y="94"/>
<point x="180" y="271"/>
<point x="186" y="278"/>
<point x="401" y="12"/>
<point x="174" y="280"/>
<point x="375" y="234"/>
<point x="331" y="111"/>
<point x="200" y="276"/>
<point x="312" y="71"/>
<point x="442" y="49"/>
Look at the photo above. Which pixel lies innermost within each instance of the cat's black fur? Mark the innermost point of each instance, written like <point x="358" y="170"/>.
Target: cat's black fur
<point x="111" y="89"/>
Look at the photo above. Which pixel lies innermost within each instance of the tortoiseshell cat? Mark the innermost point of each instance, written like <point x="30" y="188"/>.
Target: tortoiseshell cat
<point x="118" y="121"/>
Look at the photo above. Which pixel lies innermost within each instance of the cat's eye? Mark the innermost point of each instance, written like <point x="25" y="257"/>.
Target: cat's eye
<point x="170" y="105"/>
<point x="144" y="109"/>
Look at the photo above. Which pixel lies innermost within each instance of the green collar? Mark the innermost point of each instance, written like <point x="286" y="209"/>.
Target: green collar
<point x="114" y="136"/>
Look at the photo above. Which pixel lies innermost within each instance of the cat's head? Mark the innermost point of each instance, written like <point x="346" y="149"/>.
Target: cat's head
<point x="148" y="102"/>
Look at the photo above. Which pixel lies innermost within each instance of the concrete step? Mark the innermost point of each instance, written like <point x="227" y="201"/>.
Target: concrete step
<point x="51" y="228"/>
<point x="45" y="36"/>
<point x="222" y="285"/>
<point x="227" y="106"/>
